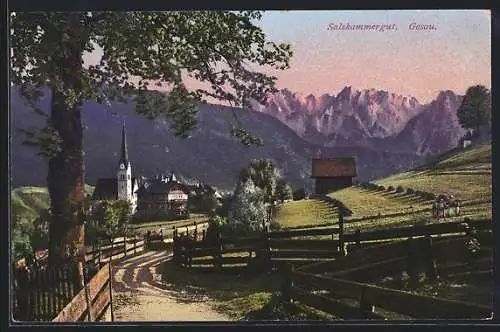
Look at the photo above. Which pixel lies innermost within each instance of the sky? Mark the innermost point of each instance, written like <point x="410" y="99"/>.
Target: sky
<point x="453" y="56"/>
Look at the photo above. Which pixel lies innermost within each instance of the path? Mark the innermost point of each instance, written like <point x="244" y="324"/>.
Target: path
<point x="139" y="294"/>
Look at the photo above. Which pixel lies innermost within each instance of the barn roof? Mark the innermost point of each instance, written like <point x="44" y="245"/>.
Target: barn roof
<point x="333" y="167"/>
<point x="106" y="189"/>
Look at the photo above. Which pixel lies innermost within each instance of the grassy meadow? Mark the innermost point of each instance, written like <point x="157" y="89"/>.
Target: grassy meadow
<point x="306" y="212"/>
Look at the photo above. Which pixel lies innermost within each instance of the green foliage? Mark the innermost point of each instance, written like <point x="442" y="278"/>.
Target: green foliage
<point x="248" y="210"/>
<point x="283" y="190"/>
<point x="475" y="110"/>
<point x="299" y="194"/>
<point x="22" y="230"/>
<point x="224" y="50"/>
<point x="263" y="175"/>
<point x="400" y="189"/>
<point x="108" y="219"/>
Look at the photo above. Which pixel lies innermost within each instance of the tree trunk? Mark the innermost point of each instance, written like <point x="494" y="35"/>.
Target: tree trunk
<point x="65" y="178"/>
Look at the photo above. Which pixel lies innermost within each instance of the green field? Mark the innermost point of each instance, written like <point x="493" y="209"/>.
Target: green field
<point x="466" y="175"/>
<point x="306" y="212"/>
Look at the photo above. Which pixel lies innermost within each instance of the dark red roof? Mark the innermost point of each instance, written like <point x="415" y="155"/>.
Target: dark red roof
<point x="333" y="167"/>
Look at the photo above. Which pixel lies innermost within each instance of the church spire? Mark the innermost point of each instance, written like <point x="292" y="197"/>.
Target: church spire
<point x="124" y="156"/>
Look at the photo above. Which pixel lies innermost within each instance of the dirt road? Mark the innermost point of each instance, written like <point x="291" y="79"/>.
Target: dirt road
<point x="139" y="294"/>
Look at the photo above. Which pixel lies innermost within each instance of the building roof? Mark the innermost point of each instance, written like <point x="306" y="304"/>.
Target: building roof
<point x="107" y="189"/>
<point x="333" y="167"/>
<point x="160" y="186"/>
<point x="124" y="149"/>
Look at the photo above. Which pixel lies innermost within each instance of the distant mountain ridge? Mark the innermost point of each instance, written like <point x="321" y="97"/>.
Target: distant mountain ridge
<point x="210" y="154"/>
<point x="370" y="118"/>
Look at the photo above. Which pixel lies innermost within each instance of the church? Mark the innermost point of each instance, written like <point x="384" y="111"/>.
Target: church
<point x="159" y="198"/>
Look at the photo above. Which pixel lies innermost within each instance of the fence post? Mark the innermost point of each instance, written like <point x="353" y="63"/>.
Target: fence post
<point x="357" y="237"/>
<point x="412" y="261"/>
<point x="217" y="249"/>
<point x="86" y="290"/>
<point x="175" y="246"/>
<point x="99" y="252"/>
<point x="112" y="252"/>
<point x="432" y="272"/>
<point x="341" y="233"/>
<point x="365" y="308"/>
<point x="125" y="245"/>
<point x="195" y="231"/>
<point x="111" y="293"/>
<point x="287" y="274"/>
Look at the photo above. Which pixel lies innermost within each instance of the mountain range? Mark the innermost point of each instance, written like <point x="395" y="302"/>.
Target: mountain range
<point x="372" y="118"/>
<point x="387" y="133"/>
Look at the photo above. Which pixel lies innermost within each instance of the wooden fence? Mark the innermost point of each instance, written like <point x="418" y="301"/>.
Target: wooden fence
<point x="40" y="293"/>
<point x="105" y="251"/>
<point x="93" y="303"/>
<point x="355" y="300"/>
<point x="346" y="287"/>
<point x="267" y="247"/>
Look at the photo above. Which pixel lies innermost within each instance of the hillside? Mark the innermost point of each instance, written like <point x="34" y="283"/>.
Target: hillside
<point x="26" y="202"/>
<point x="465" y="174"/>
<point x="210" y="154"/>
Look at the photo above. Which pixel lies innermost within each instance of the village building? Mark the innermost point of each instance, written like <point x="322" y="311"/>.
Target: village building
<point x="333" y="174"/>
<point x="161" y="197"/>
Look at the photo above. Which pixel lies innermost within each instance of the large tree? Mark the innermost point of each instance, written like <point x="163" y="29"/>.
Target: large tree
<point x="475" y="109"/>
<point x="263" y="175"/>
<point x="226" y="51"/>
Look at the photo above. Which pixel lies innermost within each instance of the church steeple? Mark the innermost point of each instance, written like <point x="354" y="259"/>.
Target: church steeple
<point x="124" y="155"/>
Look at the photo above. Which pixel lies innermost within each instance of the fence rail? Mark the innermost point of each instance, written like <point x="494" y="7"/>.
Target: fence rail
<point x="93" y="303"/>
<point x="368" y="296"/>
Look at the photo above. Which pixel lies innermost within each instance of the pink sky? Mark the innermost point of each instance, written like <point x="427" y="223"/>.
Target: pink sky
<point x="417" y="63"/>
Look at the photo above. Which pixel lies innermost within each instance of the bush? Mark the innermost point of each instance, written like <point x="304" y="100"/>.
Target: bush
<point x="299" y="194"/>
<point x="381" y="188"/>
<point x="400" y="189"/>
<point x="418" y="193"/>
<point x="410" y="191"/>
<point x="373" y="186"/>
<point x="390" y="188"/>
<point x="274" y="226"/>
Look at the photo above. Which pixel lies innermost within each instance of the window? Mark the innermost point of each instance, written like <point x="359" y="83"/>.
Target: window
<point x="122" y="177"/>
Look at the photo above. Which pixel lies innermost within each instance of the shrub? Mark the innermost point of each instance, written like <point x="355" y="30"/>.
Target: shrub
<point x="390" y="188"/>
<point x="274" y="226"/>
<point x="299" y="194"/>
<point x="381" y="188"/>
<point x="410" y="191"/>
<point x="400" y="189"/>
<point x="419" y="193"/>
<point x="373" y="186"/>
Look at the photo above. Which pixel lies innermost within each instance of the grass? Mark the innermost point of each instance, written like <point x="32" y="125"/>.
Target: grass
<point x="466" y="175"/>
<point x="238" y="295"/>
<point x="306" y="212"/>
<point x="27" y="202"/>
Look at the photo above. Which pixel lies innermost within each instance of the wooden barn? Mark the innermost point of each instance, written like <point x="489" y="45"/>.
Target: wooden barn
<point x="333" y="174"/>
